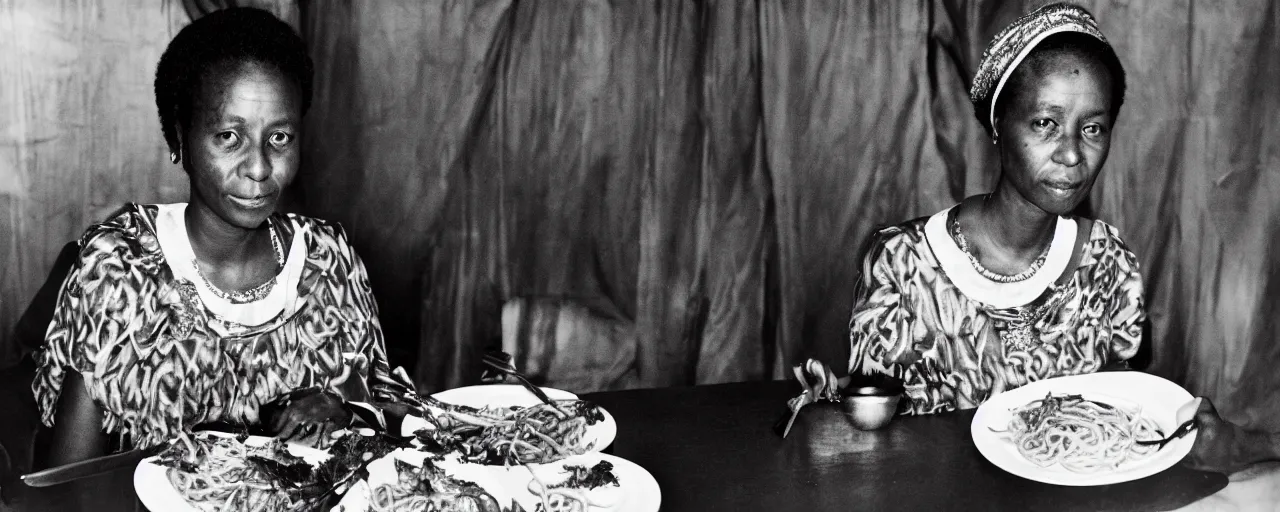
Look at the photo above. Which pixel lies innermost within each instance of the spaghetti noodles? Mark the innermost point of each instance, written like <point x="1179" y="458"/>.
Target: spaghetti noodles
<point x="571" y="495"/>
<point x="429" y="488"/>
<point x="1081" y="435"/>
<point x="221" y="473"/>
<point x="216" y="473"/>
<point x="512" y="436"/>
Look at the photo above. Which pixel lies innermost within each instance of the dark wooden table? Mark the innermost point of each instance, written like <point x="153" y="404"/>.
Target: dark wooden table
<point x="713" y="448"/>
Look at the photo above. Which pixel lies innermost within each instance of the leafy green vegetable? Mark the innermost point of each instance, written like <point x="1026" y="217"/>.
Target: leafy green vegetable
<point x="289" y="475"/>
<point x="580" y="477"/>
<point x="588" y="410"/>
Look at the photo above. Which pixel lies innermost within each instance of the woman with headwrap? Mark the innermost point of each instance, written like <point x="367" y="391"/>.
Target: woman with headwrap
<point x="1010" y="286"/>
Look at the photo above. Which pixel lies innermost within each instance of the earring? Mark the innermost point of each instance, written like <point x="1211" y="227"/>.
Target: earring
<point x="173" y="156"/>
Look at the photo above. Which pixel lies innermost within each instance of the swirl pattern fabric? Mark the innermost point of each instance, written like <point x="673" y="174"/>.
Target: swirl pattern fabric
<point x="153" y="360"/>
<point x="912" y="322"/>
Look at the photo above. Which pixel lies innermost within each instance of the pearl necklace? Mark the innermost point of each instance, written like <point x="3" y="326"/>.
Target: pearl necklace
<point x="997" y="277"/>
<point x="255" y="294"/>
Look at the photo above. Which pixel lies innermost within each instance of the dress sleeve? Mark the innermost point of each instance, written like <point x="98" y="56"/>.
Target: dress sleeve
<point x="890" y="331"/>
<point x="879" y="332"/>
<point x="1127" y="308"/>
<point x="384" y="384"/>
<point x="96" y="308"/>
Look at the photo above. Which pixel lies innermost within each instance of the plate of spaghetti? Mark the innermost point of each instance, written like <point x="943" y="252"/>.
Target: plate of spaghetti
<point x="210" y="471"/>
<point x="1083" y="430"/>
<point x="505" y="425"/>
<point x="591" y="482"/>
<point x="588" y="483"/>
<point x="413" y="481"/>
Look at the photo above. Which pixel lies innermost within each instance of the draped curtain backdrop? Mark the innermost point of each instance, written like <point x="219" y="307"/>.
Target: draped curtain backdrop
<point x="703" y="173"/>
<point x="709" y="170"/>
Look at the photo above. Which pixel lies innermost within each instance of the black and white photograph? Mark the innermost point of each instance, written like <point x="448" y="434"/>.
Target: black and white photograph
<point x="639" y="255"/>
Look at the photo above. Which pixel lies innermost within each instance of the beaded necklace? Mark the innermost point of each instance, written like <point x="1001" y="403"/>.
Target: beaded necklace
<point x="989" y="274"/>
<point x="257" y="293"/>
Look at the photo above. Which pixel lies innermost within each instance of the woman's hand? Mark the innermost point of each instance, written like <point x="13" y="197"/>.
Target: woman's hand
<point x="1221" y="445"/>
<point x="309" y="418"/>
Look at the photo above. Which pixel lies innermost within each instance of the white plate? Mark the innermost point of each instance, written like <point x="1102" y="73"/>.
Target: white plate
<point x="508" y="395"/>
<point x="151" y="481"/>
<point x="1159" y="399"/>
<point x="499" y="395"/>
<point x="637" y="491"/>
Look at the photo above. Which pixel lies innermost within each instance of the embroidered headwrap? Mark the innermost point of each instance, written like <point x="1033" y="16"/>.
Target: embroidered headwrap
<point x="1016" y="41"/>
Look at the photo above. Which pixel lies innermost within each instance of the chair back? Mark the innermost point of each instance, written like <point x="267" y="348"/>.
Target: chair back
<point x="31" y="328"/>
<point x="564" y="343"/>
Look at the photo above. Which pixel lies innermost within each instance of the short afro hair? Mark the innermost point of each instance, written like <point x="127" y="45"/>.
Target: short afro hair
<point x="1069" y="43"/>
<point x="232" y="36"/>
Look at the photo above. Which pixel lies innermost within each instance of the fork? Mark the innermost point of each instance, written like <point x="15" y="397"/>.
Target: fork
<point x="1182" y="430"/>
<point x="501" y="361"/>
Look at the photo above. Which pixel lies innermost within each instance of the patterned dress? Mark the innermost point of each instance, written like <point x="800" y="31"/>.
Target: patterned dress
<point x="925" y="315"/>
<point x="161" y="352"/>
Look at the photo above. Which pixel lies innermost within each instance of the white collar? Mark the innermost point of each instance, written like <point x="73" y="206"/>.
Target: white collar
<point x="171" y="232"/>
<point x="955" y="263"/>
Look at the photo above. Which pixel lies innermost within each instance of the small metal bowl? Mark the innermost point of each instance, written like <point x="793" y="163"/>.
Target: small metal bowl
<point x="870" y="412"/>
<point x="870" y="407"/>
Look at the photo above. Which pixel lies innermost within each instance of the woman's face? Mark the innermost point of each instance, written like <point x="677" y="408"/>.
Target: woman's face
<point x="241" y="149"/>
<point x="1056" y="131"/>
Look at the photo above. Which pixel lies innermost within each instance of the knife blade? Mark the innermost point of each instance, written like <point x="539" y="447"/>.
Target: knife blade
<point x="809" y="396"/>
<point x="87" y="468"/>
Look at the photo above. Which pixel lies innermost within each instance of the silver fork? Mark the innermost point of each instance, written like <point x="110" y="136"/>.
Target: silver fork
<point x="1182" y="430"/>
<point x="501" y="361"/>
